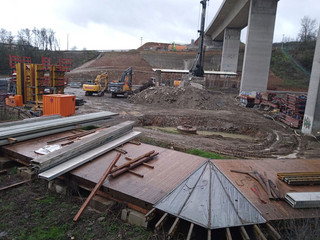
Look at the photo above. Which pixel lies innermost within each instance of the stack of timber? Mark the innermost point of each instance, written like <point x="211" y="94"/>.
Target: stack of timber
<point x="65" y="159"/>
<point x="25" y="130"/>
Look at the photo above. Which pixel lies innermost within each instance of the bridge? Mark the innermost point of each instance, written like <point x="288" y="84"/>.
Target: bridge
<point x="259" y="16"/>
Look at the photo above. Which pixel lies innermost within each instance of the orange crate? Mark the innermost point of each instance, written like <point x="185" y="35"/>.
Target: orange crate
<point x="65" y="105"/>
<point x="19" y="100"/>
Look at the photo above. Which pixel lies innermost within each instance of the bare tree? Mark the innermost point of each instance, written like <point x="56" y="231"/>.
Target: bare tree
<point x="6" y="36"/>
<point x="308" y="30"/>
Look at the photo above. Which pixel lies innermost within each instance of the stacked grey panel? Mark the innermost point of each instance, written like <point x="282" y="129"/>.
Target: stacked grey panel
<point x="64" y="154"/>
<point x="303" y="199"/>
<point x="3" y="126"/>
<point x="25" y="131"/>
<point x="86" y="157"/>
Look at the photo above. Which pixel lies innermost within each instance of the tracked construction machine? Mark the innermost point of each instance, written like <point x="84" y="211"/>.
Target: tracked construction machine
<point x="122" y="87"/>
<point x="95" y="86"/>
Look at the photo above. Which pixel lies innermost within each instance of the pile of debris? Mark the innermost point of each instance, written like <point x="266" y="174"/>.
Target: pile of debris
<point x="181" y="97"/>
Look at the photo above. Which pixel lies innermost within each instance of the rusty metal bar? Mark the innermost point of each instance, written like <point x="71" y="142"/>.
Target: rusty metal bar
<point x="162" y="220"/>
<point x="14" y="185"/>
<point x="228" y="234"/>
<point x="96" y="188"/>
<point x="135" y="164"/>
<point x="70" y="137"/>
<point x="132" y="161"/>
<point x="144" y="164"/>
<point x="244" y="233"/>
<point x="135" y="173"/>
<point x="135" y="142"/>
<point x="120" y="150"/>
<point x="190" y="231"/>
<point x="259" y="232"/>
<point x="173" y="228"/>
<point x="275" y="234"/>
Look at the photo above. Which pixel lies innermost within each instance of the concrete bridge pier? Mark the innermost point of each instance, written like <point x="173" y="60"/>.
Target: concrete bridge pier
<point x="230" y="50"/>
<point x="311" y="120"/>
<point x="261" y="21"/>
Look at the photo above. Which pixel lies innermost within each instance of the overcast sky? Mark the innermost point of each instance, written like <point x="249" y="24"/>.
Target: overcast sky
<point x="120" y="24"/>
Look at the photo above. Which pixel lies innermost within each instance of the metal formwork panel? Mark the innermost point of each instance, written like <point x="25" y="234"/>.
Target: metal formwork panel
<point x="41" y="82"/>
<point x="58" y="79"/>
<point x="19" y="77"/>
<point x="28" y="79"/>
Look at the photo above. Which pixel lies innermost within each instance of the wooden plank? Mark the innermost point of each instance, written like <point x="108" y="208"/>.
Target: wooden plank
<point x="162" y="220"/>
<point x="173" y="228"/>
<point x="96" y="188"/>
<point x="190" y="231"/>
<point x="150" y="215"/>
<point x="54" y="158"/>
<point x="259" y="232"/>
<point x="273" y="232"/>
<point x="86" y="157"/>
<point x="228" y="234"/>
<point x="244" y="233"/>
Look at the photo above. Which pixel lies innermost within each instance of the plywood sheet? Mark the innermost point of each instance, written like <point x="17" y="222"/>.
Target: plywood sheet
<point x="170" y="168"/>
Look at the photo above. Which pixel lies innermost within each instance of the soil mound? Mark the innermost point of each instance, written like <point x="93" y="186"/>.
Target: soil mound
<point x="184" y="97"/>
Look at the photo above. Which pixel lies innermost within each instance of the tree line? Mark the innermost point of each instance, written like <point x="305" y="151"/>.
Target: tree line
<point x="43" y="39"/>
<point x="31" y="43"/>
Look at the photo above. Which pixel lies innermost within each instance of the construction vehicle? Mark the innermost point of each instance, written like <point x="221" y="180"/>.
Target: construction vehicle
<point x="122" y="87"/>
<point x="95" y="86"/>
<point x="197" y="67"/>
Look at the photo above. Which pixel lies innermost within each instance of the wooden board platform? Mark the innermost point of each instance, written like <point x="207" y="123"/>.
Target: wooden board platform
<point x="273" y="210"/>
<point x="172" y="167"/>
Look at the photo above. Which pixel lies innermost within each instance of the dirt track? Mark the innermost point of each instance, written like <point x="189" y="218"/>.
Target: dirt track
<point x="262" y="138"/>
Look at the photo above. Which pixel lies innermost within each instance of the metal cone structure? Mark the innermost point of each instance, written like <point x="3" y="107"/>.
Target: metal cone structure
<point x="208" y="198"/>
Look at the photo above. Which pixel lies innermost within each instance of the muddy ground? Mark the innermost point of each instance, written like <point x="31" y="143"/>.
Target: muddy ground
<point x="223" y="125"/>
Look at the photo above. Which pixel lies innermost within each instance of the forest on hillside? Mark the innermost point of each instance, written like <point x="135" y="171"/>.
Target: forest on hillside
<point x="36" y="43"/>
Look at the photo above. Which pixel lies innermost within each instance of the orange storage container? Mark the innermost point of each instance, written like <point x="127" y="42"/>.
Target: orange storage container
<point x="65" y="105"/>
<point x="19" y="100"/>
<point x="10" y="101"/>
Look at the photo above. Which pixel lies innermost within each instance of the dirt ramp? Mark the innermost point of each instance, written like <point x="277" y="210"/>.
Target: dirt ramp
<point x="188" y="97"/>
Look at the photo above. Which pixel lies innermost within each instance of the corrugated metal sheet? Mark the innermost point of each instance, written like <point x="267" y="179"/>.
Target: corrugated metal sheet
<point x="207" y="198"/>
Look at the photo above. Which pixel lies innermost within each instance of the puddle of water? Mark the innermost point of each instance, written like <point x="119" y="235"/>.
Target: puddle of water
<point x="203" y="133"/>
<point x="224" y="134"/>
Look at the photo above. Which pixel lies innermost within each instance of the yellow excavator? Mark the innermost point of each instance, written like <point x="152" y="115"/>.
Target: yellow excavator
<point x="95" y="86"/>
